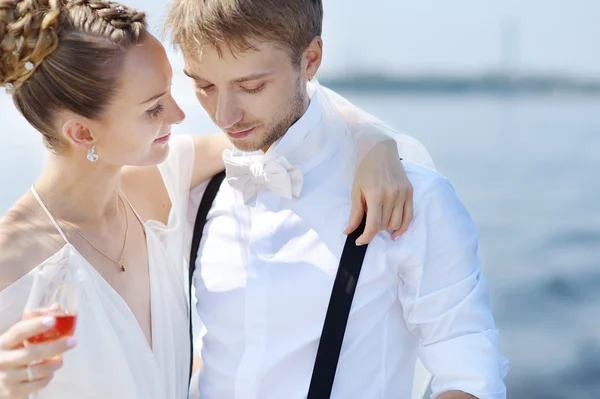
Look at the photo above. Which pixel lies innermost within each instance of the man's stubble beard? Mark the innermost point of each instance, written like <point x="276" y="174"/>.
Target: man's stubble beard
<point x="278" y="127"/>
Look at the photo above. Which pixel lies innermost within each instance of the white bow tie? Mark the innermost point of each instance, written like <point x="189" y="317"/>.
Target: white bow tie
<point x="249" y="176"/>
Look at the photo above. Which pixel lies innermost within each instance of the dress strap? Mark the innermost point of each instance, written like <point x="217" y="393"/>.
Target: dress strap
<point x="39" y="200"/>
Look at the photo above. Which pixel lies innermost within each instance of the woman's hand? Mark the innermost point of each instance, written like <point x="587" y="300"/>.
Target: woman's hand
<point x="382" y="190"/>
<point x="25" y="370"/>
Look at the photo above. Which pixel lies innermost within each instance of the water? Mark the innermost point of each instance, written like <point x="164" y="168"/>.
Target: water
<point x="528" y="171"/>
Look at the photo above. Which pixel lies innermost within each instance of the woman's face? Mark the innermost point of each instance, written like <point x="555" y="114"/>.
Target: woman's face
<point x="137" y="125"/>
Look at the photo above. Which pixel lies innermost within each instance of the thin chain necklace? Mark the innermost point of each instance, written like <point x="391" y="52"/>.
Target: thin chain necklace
<point x="118" y="262"/>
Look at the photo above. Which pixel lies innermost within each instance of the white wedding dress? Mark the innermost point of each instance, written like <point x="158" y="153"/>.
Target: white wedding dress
<point x="113" y="359"/>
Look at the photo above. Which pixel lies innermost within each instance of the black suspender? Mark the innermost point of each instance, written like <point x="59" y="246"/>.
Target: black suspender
<point x="207" y="200"/>
<point x="338" y="310"/>
<point x="336" y="319"/>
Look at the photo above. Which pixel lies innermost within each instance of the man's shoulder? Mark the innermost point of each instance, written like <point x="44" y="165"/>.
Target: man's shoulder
<point x="436" y="205"/>
<point x="424" y="180"/>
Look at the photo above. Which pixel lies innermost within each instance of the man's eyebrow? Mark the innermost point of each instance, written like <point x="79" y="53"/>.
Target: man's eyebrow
<point x="243" y="79"/>
<point x="255" y="76"/>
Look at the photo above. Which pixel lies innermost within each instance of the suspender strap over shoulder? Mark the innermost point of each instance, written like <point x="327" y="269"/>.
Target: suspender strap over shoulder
<point x="207" y="200"/>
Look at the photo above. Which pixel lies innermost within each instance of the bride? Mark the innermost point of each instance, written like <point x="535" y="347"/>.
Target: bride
<point x="111" y="202"/>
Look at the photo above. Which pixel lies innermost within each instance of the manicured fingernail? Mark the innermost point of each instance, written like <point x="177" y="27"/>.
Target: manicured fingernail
<point x="49" y="321"/>
<point x="71" y="342"/>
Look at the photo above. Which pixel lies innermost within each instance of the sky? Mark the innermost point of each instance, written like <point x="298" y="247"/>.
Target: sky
<point x="465" y="35"/>
<point x="458" y="36"/>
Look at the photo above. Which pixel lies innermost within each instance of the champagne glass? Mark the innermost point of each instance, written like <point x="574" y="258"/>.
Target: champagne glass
<point x="52" y="294"/>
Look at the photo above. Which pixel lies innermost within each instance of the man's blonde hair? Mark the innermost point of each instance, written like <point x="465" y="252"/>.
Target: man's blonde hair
<point x="233" y="24"/>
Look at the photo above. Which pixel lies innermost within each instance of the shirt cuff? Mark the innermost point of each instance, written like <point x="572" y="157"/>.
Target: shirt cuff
<point x="469" y="363"/>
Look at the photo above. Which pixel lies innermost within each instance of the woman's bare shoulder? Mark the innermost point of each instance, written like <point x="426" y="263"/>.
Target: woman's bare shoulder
<point x="26" y="240"/>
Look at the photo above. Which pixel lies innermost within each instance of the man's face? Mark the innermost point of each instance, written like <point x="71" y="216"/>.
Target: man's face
<point x="253" y="96"/>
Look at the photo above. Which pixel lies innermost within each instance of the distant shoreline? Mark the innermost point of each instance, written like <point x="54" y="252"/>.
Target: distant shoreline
<point x="493" y="84"/>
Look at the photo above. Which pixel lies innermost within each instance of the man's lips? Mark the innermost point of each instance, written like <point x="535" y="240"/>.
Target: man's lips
<point x="241" y="134"/>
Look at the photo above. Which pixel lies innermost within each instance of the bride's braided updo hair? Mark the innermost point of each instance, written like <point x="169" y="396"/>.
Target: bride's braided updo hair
<point x="64" y="55"/>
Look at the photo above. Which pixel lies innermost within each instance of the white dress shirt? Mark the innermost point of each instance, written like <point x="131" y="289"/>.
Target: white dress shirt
<point x="266" y="268"/>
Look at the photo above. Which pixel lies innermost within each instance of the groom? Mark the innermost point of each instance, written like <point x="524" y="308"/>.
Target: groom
<point x="272" y="247"/>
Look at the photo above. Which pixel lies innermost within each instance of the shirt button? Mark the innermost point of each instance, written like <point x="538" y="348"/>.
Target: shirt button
<point x="400" y="278"/>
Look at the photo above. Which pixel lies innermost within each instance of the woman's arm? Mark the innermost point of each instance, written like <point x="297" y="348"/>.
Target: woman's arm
<point x="381" y="187"/>
<point x="382" y="190"/>
<point x="208" y="156"/>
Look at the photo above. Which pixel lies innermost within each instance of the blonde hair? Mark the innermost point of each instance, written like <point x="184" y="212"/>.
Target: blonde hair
<point x="233" y="24"/>
<point x="63" y="55"/>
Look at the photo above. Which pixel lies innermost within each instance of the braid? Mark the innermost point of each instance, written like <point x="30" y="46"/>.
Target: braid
<point x="28" y="33"/>
<point x="108" y="19"/>
<point x="30" y="30"/>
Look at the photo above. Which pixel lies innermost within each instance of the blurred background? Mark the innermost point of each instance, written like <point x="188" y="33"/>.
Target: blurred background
<point x="505" y="94"/>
